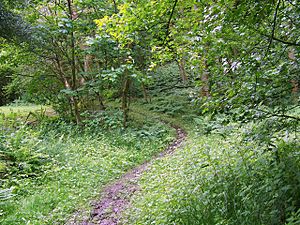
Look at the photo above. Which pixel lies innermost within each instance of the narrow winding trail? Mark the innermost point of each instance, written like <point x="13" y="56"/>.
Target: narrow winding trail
<point x="116" y="196"/>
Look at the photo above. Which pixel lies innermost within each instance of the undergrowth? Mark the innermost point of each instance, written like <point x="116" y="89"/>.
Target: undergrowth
<point x="227" y="173"/>
<point x="50" y="169"/>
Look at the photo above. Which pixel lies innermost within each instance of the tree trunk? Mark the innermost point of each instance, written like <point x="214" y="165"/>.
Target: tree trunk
<point x="295" y="84"/>
<point x="181" y="66"/>
<point x="205" y="80"/>
<point x="295" y="87"/>
<point x="67" y="85"/>
<point x="101" y="104"/>
<point x="73" y="63"/>
<point x="145" y="94"/>
<point x="125" y="99"/>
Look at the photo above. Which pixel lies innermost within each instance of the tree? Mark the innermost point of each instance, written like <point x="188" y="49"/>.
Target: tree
<point x="236" y="47"/>
<point x="62" y="32"/>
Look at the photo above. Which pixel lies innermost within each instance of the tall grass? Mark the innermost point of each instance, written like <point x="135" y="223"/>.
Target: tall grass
<point x="222" y="179"/>
<point x="52" y="169"/>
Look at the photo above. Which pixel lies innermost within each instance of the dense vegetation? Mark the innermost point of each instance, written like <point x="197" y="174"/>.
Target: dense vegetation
<point x="54" y="167"/>
<point x="88" y="89"/>
<point x="224" y="175"/>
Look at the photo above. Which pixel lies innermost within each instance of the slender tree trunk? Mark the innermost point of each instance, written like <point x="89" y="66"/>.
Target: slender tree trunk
<point x="101" y="104"/>
<point x="181" y="66"/>
<point x="125" y="99"/>
<point x="73" y="63"/>
<point x="88" y="62"/>
<point x="205" y="80"/>
<point x="145" y="94"/>
<point x="294" y="82"/>
<point x="67" y="85"/>
<point x="295" y="85"/>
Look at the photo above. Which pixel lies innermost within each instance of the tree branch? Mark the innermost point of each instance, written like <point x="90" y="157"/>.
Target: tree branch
<point x="280" y="115"/>
<point x="285" y="42"/>
<point x="274" y="24"/>
<point x="115" y="6"/>
<point x="169" y="21"/>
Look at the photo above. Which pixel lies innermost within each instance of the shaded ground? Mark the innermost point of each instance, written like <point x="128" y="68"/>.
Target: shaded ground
<point x="116" y="196"/>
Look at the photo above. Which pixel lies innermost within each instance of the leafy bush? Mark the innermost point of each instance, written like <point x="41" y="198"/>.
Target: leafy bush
<point x="108" y="119"/>
<point x="20" y="156"/>
<point x="175" y="103"/>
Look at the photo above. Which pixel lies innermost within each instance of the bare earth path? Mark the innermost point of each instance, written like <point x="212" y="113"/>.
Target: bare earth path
<point x="116" y="196"/>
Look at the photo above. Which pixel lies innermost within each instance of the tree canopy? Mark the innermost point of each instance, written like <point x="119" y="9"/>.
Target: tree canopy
<point x="233" y="50"/>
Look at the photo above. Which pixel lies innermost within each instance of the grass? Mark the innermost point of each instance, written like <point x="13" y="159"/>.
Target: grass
<point x="220" y="178"/>
<point x="21" y="110"/>
<point x="227" y="173"/>
<point x="12" y="115"/>
<point x="54" y="169"/>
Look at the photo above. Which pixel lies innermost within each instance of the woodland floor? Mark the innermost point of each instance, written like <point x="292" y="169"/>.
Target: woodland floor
<point x="116" y="196"/>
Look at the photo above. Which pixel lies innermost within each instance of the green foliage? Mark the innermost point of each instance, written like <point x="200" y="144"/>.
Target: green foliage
<point x="54" y="168"/>
<point x="170" y="105"/>
<point x="241" y="165"/>
<point x="217" y="180"/>
<point x="19" y="153"/>
<point x="108" y="119"/>
<point x="12" y="27"/>
<point x="175" y="103"/>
